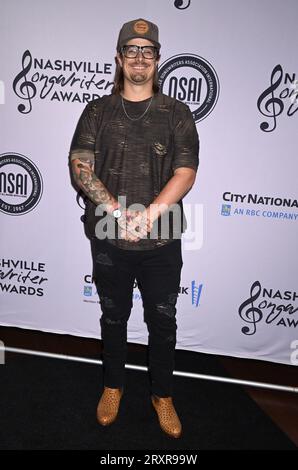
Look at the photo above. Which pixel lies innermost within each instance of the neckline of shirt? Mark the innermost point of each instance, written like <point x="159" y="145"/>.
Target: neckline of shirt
<point x="136" y="102"/>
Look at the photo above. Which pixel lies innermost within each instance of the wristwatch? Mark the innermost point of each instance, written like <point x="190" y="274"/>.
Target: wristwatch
<point x="117" y="213"/>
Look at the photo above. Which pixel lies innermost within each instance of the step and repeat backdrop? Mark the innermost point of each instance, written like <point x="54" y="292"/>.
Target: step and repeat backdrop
<point x="234" y="63"/>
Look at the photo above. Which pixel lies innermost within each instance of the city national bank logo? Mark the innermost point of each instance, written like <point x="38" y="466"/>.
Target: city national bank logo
<point x="270" y="207"/>
<point x="191" y="79"/>
<point x="59" y="80"/>
<point x="270" y="307"/>
<point x="280" y="97"/>
<point x="20" y="184"/>
<point x="91" y="295"/>
<point x="226" y="209"/>
<point x="22" y="277"/>
<point x="89" y="290"/>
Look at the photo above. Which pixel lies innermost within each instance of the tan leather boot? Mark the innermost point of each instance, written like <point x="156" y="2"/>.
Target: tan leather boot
<point x="167" y="416"/>
<point x="108" y="406"/>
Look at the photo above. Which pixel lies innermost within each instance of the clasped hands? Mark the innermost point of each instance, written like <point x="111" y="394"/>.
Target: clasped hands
<point x="134" y="225"/>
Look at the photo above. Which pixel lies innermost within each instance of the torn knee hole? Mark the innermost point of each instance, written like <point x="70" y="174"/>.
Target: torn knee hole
<point x="104" y="259"/>
<point x="167" y="309"/>
<point x="107" y="302"/>
<point x="110" y="321"/>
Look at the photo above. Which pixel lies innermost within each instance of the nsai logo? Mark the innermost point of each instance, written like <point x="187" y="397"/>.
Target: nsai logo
<point x="20" y="184"/>
<point x="191" y="79"/>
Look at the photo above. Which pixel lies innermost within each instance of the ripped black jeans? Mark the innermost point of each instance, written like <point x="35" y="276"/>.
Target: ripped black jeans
<point x="157" y="272"/>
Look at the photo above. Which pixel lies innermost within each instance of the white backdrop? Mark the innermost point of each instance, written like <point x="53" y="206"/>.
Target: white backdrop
<point x="237" y="61"/>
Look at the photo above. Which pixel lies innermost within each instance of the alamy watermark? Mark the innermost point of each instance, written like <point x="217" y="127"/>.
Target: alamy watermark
<point x="170" y="224"/>
<point x="2" y="353"/>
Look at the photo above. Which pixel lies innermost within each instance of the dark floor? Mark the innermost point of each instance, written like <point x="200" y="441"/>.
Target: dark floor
<point x="282" y="407"/>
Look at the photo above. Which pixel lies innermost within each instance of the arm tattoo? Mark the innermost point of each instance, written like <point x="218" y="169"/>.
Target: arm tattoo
<point x="89" y="183"/>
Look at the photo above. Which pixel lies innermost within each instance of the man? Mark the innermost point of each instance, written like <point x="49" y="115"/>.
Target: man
<point x="141" y="147"/>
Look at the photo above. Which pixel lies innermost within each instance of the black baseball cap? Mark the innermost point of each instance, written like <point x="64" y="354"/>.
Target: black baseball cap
<point x="139" y="28"/>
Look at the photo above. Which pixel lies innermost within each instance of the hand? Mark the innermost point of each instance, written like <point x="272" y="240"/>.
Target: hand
<point x="134" y="225"/>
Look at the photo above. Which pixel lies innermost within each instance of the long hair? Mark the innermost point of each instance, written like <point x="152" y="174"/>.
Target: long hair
<point x="119" y="80"/>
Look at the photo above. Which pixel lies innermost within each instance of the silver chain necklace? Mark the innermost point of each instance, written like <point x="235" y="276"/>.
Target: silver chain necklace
<point x="142" y="115"/>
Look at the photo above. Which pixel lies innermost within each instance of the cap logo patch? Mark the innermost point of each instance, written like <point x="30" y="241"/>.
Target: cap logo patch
<point x="141" y="27"/>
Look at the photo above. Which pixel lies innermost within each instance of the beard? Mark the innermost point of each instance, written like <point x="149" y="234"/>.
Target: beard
<point x="139" y="76"/>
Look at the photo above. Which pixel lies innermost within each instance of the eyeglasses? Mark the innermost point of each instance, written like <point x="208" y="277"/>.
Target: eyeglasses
<point x="131" y="52"/>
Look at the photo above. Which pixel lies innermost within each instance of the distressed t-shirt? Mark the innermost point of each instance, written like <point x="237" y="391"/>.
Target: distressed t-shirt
<point x="136" y="150"/>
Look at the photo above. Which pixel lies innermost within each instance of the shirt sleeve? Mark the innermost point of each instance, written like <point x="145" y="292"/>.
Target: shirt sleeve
<point x="186" y="140"/>
<point x="83" y="140"/>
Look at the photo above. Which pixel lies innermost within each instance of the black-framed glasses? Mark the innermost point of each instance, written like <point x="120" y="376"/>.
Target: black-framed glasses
<point x="132" y="51"/>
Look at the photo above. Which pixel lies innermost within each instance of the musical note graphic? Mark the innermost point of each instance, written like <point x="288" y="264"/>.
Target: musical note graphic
<point x="26" y="89"/>
<point x="179" y="4"/>
<point x="251" y="314"/>
<point x="272" y="102"/>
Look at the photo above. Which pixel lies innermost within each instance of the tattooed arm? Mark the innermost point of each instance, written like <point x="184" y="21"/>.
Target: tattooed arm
<point x="82" y="164"/>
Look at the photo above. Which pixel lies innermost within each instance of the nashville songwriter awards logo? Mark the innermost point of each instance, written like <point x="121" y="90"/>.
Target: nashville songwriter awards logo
<point x="60" y="80"/>
<point x="270" y="306"/>
<point x="182" y="4"/>
<point x="280" y="97"/>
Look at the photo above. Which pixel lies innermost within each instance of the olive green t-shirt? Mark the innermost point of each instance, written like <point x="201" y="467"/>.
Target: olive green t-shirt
<point x="137" y="146"/>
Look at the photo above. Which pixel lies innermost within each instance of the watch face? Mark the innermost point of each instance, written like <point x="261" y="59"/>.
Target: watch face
<point x="117" y="213"/>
